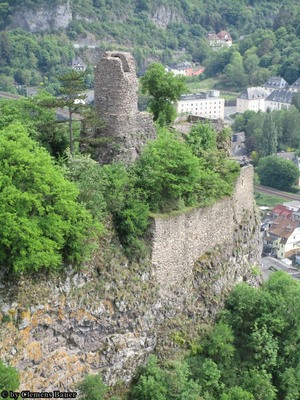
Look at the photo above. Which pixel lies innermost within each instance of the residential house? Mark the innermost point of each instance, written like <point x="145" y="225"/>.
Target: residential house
<point x="78" y="64"/>
<point x="207" y="105"/>
<point x="225" y="38"/>
<point x="279" y="99"/>
<point x="195" y="71"/>
<point x="252" y="99"/>
<point x="219" y="40"/>
<point x="282" y="210"/>
<point x="283" y="237"/>
<point x="185" y="68"/>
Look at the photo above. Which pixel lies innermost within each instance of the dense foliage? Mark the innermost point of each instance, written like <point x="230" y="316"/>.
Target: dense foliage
<point x="40" y="121"/>
<point x="251" y="353"/>
<point x="271" y="132"/>
<point x="42" y="223"/>
<point x="174" y="173"/>
<point x="164" y="89"/>
<point x="9" y="377"/>
<point x="277" y="172"/>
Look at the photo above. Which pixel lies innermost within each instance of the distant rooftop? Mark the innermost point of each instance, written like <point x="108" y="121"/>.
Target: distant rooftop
<point x="292" y="204"/>
<point x="281" y="96"/>
<point x="201" y="95"/>
<point x="287" y="155"/>
<point x="276" y="82"/>
<point x="296" y="84"/>
<point x="254" y="93"/>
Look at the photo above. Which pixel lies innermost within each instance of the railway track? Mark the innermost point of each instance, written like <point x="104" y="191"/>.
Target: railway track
<point x="275" y="192"/>
<point x="6" y="95"/>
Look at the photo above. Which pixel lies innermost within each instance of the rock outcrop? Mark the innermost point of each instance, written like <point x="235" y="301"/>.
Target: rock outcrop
<point x="56" y="15"/>
<point x="111" y="315"/>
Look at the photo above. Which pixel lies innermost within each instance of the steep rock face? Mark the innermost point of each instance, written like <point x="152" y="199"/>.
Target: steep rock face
<point x="163" y="16"/>
<point x="55" y="16"/>
<point x="112" y="314"/>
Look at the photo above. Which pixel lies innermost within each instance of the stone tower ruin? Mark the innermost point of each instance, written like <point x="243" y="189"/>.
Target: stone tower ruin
<point x="126" y="129"/>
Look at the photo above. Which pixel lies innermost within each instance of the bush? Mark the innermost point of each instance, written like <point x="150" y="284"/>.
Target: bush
<point x="41" y="221"/>
<point x="92" y="388"/>
<point x="9" y="377"/>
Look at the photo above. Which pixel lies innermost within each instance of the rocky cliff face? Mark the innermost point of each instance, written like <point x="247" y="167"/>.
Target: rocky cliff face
<point x="56" y="15"/>
<point x="162" y="16"/>
<point x="111" y="315"/>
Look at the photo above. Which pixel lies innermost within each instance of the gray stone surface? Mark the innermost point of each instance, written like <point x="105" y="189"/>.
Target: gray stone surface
<point x="126" y="129"/>
<point x="57" y="15"/>
<point x="180" y="240"/>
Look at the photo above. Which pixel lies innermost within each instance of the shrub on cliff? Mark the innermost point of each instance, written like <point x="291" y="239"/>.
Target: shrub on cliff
<point x="169" y="173"/>
<point x="9" y="378"/>
<point x="173" y="176"/>
<point x="41" y="221"/>
<point x="92" y="388"/>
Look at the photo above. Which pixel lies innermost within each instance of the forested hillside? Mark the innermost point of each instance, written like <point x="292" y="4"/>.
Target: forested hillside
<point x="265" y="36"/>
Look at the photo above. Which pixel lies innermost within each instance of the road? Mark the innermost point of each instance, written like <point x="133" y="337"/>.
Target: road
<point x="227" y="112"/>
<point x="270" y="264"/>
<point x="275" y="192"/>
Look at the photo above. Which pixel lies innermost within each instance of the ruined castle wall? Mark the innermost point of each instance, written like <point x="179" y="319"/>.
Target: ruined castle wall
<point x="126" y="130"/>
<point x="178" y="241"/>
<point x="116" y="86"/>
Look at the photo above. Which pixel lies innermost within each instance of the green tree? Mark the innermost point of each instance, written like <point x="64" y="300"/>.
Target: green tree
<point x="278" y="173"/>
<point x="268" y="141"/>
<point x="9" y="377"/>
<point x="237" y="393"/>
<point x="42" y="223"/>
<point x="150" y="383"/>
<point x="40" y="122"/>
<point x="201" y="138"/>
<point x="165" y="88"/>
<point x="71" y="97"/>
<point x="72" y="86"/>
<point x="168" y="172"/>
<point x="235" y="71"/>
<point x="92" y="388"/>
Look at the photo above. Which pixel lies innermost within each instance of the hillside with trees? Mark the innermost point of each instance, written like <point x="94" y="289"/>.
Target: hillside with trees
<point x="265" y="36"/>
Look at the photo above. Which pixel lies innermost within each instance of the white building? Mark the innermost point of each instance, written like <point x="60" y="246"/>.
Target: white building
<point x="252" y="99"/>
<point x="219" y="40"/>
<point x="279" y="99"/>
<point x="275" y="83"/>
<point x="207" y="105"/>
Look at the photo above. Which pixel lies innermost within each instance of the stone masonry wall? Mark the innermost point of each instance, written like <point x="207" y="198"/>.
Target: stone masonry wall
<point x="108" y="317"/>
<point x="126" y="130"/>
<point x="178" y="241"/>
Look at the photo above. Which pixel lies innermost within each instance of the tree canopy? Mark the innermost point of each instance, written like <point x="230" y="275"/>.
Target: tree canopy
<point x="164" y="88"/>
<point x="42" y="222"/>
<point x="277" y="172"/>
